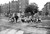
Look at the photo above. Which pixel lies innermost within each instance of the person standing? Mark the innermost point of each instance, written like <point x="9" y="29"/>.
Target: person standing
<point x="16" y="17"/>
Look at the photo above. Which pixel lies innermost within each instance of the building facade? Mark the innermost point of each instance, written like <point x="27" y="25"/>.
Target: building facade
<point x="23" y="4"/>
<point x="46" y="8"/>
<point x="11" y="6"/>
<point x="15" y="6"/>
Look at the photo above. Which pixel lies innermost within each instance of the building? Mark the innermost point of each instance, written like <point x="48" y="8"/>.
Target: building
<point x="23" y="4"/>
<point x="15" y="6"/>
<point x="46" y="7"/>
<point x="11" y="6"/>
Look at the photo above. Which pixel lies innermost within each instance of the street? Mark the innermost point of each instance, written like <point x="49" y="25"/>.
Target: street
<point x="4" y="24"/>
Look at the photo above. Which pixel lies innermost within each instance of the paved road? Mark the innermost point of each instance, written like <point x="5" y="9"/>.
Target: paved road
<point x="13" y="31"/>
<point x="11" y="27"/>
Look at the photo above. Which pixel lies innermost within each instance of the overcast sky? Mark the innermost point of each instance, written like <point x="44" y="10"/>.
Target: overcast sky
<point x="39" y="2"/>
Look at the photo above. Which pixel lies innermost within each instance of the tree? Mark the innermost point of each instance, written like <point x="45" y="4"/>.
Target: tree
<point x="31" y="9"/>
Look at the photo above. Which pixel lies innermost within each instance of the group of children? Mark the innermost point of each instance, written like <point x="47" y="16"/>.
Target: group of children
<point x="23" y="19"/>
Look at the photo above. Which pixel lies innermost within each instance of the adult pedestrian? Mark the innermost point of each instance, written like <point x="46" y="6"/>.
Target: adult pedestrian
<point x="16" y="18"/>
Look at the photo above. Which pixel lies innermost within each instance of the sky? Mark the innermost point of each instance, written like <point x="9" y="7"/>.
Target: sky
<point x="40" y="3"/>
